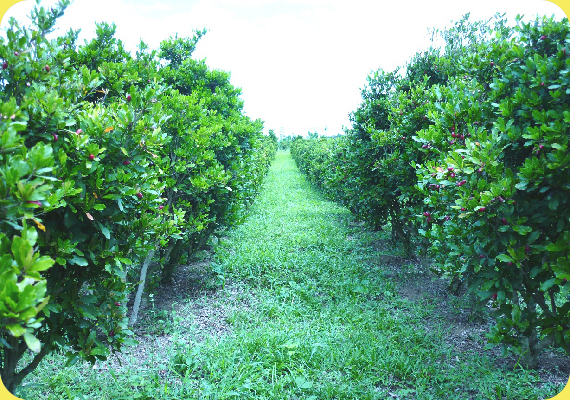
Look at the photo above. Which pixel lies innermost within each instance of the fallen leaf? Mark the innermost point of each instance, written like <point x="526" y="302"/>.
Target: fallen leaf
<point x="39" y="224"/>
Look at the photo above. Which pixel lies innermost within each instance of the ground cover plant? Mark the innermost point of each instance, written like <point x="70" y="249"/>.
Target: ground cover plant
<point x="301" y="301"/>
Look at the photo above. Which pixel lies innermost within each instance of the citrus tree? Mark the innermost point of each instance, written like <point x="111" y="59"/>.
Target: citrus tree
<point x="499" y="218"/>
<point x="89" y="158"/>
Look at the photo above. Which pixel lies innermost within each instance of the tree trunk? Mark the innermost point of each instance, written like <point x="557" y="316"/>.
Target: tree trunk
<point x="10" y="358"/>
<point x="168" y="251"/>
<point x="140" y="290"/>
<point x="171" y="259"/>
<point x="399" y="231"/>
<point x="531" y="351"/>
<point x="455" y="286"/>
<point x="205" y="237"/>
<point x="531" y="344"/>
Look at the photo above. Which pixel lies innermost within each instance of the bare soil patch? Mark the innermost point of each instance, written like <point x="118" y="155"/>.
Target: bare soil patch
<point x="184" y="308"/>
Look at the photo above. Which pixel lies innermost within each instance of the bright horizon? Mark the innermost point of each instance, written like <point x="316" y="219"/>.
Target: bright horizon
<point x="300" y="64"/>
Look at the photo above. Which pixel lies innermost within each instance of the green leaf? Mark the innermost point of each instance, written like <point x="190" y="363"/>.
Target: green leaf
<point x="554" y="247"/>
<point x="130" y="342"/>
<point x="22" y="251"/>
<point x="522" y="229"/>
<point x="303" y="383"/>
<point x="62" y="157"/>
<point x="533" y="236"/>
<point x="521" y="185"/>
<point x="43" y="263"/>
<point x="43" y="170"/>
<point x="32" y="342"/>
<point x="89" y="311"/>
<point x="105" y="230"/>
<point x="78" y="261"/>
<point x="89" y="299"/>
<point x="544" y="286"/>
<point x="16" y="329"/>
<point x="553" y="203"/>
<point x="504" y="257"/>
<point x="537" y="115"/>
<point x="72" y="358"/>
<point x="99" y="207"/>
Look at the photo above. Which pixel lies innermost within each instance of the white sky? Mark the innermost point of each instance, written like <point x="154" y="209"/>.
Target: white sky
<point x="300" y="63"/>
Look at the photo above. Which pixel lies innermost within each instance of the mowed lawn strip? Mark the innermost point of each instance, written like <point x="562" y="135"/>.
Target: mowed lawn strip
<point x="320" y="320"/>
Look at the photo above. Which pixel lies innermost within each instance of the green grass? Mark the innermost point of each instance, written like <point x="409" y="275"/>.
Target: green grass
<point x="322" y="321"/>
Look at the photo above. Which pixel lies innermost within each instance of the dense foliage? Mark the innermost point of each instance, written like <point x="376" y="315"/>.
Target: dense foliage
<point x="467" y="155"/>
<point x="106" y="158"/>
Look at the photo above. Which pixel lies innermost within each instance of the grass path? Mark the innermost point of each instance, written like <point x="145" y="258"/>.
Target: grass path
<point x="309" y="311"/>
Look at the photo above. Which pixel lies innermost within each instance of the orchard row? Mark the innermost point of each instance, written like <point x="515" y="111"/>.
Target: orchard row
<point x="466" y="156"/>
<point x="108" y="162"/>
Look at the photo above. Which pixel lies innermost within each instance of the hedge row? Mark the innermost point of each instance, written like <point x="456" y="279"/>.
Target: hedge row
<point x="107" y="160"/>
<point x="466" y="156"/>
